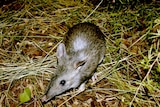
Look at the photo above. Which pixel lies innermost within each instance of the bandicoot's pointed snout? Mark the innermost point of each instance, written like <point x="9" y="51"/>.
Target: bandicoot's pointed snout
<point x="45" y="99"/>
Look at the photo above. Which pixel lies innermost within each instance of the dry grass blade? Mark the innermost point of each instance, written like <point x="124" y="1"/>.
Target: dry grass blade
<point x="129" y="75"/>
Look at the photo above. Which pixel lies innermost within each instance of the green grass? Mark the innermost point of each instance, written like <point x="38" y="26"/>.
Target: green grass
<point x="128" y="76"/>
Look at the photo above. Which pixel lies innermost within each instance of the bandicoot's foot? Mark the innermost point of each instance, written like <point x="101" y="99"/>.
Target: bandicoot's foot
<point x="44" y="99"/>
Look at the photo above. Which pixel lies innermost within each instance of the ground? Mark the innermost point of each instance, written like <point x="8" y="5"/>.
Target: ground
<point x="128" y="76"/>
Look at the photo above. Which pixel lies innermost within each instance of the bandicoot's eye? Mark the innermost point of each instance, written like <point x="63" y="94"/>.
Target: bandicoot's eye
<point x="62" y="82"/>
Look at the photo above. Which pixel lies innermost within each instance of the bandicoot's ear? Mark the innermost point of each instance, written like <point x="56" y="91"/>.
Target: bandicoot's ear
<point x="79" y="64"/>
<point x="61" y="50"/>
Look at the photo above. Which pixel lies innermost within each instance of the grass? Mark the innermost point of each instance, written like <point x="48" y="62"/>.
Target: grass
<point x="129" y="75"/>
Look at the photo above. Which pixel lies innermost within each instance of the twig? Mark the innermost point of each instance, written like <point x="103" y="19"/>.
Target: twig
<point x="130" y="105"/>
<point x="93" y="11"/>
